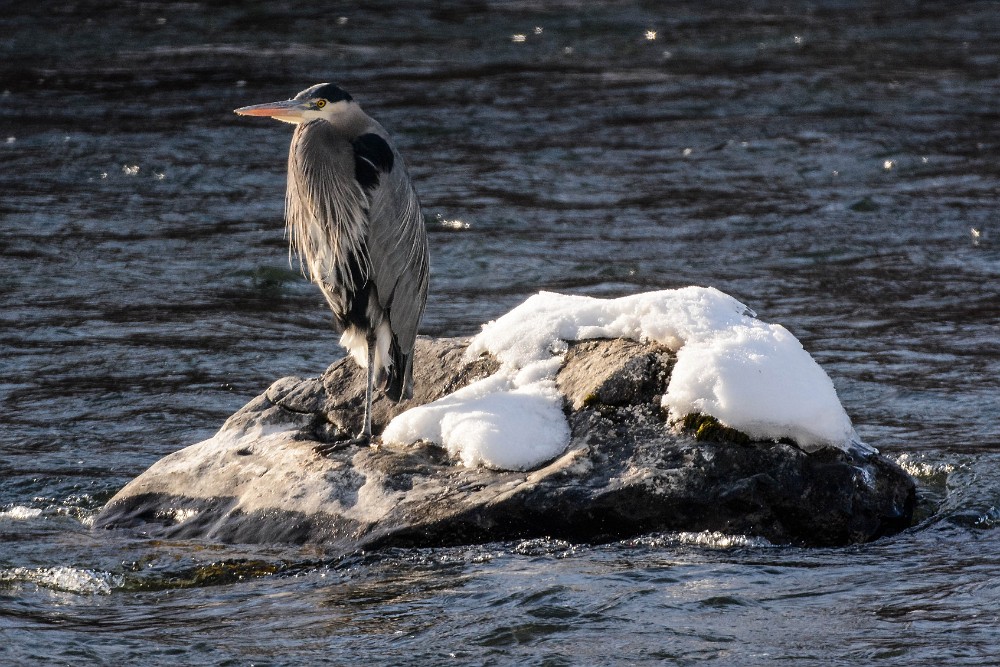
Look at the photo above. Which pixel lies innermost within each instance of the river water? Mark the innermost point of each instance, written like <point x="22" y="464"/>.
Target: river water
<point x="831" y="164"/>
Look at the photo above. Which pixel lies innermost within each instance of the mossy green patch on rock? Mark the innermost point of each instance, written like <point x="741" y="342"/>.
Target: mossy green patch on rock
<point x="709" y="429"/>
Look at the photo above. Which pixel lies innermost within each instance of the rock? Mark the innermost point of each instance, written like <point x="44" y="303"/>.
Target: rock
<point x="625" y="472"/>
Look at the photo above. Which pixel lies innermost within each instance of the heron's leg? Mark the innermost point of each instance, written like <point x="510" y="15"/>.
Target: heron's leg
<point x="364" y="438"/>
<point x="366" y="433"/>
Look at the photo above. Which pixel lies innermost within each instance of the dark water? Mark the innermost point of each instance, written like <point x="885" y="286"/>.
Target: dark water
<point x="835" y="166"/>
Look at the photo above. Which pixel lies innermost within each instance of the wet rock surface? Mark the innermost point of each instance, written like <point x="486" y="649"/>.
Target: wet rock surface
<point x="625" y="471"/>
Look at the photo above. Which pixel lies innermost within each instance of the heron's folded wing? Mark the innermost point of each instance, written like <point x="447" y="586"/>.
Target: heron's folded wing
<point x="397" y="243"/>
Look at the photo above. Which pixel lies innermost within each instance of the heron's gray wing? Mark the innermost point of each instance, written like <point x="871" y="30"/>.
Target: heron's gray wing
<point x="397" y="239"/>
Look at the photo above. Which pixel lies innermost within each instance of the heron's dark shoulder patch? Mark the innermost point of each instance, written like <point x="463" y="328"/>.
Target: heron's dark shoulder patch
<point x="372" y="156"/>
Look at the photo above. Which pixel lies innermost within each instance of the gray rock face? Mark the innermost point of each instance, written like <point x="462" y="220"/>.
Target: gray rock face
<point x="625" y="472"/>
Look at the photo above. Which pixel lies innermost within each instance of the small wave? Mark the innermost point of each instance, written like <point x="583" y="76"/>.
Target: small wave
<point x="544" y="546"/>
<point x="708" y="539"/>
<point x="20" y="513"/>
<point x="916" y="465"/>
<point x="69" y="579"/>
<point x="717" y="540"/>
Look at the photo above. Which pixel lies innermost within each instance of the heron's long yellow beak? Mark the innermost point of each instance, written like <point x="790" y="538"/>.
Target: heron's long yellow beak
<point x="288" y="111"/>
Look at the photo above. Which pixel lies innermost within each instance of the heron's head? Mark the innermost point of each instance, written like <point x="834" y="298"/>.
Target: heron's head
<point x="324" y="100"/>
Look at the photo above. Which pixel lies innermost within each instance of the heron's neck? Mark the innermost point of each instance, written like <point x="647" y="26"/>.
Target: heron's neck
<point x="352" y="121"/>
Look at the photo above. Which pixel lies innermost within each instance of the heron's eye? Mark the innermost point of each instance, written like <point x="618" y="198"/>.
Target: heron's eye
<point x="320" y="104"/>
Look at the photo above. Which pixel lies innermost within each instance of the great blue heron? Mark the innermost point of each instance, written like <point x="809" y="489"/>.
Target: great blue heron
<point x="354" y="220"/>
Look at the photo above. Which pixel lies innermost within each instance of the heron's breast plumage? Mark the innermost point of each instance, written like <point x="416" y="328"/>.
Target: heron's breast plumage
<point x="326" y="213"/>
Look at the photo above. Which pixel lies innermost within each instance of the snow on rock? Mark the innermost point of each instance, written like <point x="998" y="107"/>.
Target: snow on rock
<point x="756" y="378"/>
<point x="751" y="376"/>
<point x="494" y="422"/>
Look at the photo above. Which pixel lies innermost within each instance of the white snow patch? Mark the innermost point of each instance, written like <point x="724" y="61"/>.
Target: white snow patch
<point x="750" y="375"/>
<point x="756" y="378"/>
<point x="511" y="420"/>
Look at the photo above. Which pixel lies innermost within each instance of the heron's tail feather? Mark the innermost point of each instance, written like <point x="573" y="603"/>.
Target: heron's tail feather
<point x="398" y="382"/>
<point x="393" y="366"/>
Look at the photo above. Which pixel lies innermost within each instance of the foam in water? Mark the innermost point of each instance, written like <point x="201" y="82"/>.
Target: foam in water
<point x="20" y="513"/>
<point x="708" y="539"/>
<point x="69" y="579"/>
<point x="751" y="376"/>
<point x="917" y="466"/>
<point x="717" y="540"/>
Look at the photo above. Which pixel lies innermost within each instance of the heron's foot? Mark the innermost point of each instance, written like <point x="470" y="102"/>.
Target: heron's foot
<point x="360" y="440"/>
